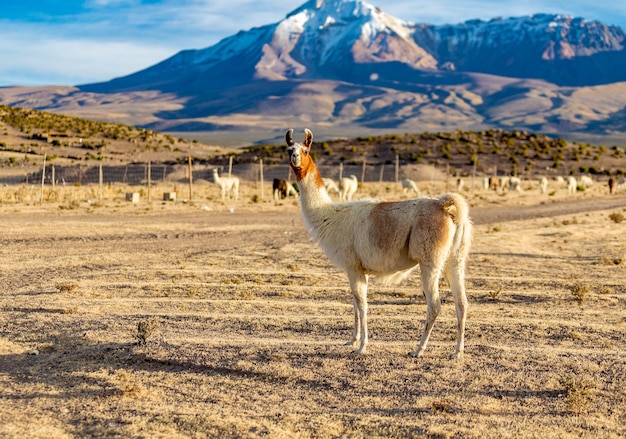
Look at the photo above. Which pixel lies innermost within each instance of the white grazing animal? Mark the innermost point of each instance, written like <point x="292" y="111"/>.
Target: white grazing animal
<point x="228" y="185"/>
<point x="409" y="186"/>
<point x="387" y="240"/>
<point x="347" y="187"/>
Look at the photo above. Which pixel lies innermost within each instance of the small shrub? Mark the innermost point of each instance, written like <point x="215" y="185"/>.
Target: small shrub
<point x="617" y="217"/>
<point x="578" y="393"/>
<point x="495" y="293"/>
<point x="147" y="328"/>
<point x="66" y="287"/>
<point x="579" y="291"/>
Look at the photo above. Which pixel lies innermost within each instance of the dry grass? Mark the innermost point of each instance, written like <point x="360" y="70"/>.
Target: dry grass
<point x="242" y="323"/>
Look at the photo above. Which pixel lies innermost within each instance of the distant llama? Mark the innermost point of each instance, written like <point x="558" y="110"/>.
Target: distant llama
<point x="330" y="185"/>
<point x="282" y="189"/>
<point x="543" y="185"/>
<point x="228" y="185"/>
<point x="348" y="187"/>
<point x="409" y="186"/>
<point x="571" y="185"/>
<point x="387" y="240"/>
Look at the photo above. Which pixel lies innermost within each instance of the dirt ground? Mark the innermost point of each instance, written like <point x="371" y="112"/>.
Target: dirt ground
<point x="211" y="319"/>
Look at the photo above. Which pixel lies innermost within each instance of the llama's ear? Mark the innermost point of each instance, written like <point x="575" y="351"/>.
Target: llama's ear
<point x="308" y="138"/>
<point x="289" y="137"/>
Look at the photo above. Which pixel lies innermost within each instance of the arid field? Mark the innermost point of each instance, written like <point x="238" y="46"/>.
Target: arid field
<point x="210" y="319"/>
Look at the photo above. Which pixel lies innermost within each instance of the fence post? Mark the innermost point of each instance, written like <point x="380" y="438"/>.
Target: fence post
<point x="43" y="176"/>
<point x="230" y="166"/>
<point x="149" y="182"/>
<point x="100" y="180"/>
<point x="190" y="176"/>
<point x="363" y="171"/>
<point x="261" y="175"/>
<point x="382" y="171"/>
<point x="397" y="167"/>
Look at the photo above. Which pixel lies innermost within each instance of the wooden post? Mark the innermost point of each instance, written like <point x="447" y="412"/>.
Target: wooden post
<point x="149" y="182"/>
<point x="230" y="166"/>
<point x="43" y="176"/>
<point x="261" y="175"/>
<point x="397" y="168"/>
<point x="382" y="171"/>
<point x="100" y="180"/>
<point x="53" y="178"/>
<point x="340" y="171"/>
<point x="190" y="176"/>
<point x="363" y="171"/>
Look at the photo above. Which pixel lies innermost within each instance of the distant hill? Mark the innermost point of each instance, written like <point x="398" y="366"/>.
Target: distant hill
<point x="345" y="67"/>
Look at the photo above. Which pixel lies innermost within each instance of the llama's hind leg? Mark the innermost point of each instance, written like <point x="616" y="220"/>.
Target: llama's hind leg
<point x="430" y="284"/>
<point x="455" y="275"/>
<point x="358" y="285"/>
<point x="356" y="331"/>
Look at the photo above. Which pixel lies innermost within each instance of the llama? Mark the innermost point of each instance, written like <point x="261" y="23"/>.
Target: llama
<point x="347" y="187"/>
<point x="571" y="185"/>
<point x="282" y="189"/>
<point x="543" y="185"/>
<point x="586" y="181"/>
<point x="611" y="183"/>
<point x="387" y="240"/>
<point x="515" y="184"/>
<point x="228" y="185"/>
<point x="330" y="185"/>
<point x="409" y="186"/>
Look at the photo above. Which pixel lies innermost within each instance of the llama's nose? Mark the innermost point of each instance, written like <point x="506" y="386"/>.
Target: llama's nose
<point x="295" y="159"/>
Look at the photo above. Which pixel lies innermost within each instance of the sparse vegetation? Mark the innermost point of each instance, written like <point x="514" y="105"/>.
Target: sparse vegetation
<point x="579" y="291"/>
<point x="578" y="392"/>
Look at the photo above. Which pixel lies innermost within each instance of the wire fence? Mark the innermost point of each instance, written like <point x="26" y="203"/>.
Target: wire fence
<point x="48" y="182"/>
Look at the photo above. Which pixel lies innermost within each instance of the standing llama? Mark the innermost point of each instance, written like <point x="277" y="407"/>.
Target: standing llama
<point x="387" y="240"/>
<point x="228" y="185"/>
<point x="348" y="187"/>
<point x="409" y="186"/>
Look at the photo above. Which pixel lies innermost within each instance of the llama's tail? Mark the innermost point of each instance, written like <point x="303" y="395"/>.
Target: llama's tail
<point x="457" y="208"/>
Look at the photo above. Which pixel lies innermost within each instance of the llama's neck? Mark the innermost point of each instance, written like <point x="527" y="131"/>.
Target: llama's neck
<point x="313" y="194"/>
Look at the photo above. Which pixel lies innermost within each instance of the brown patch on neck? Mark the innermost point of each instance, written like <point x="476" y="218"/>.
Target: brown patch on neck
<point x="306" y="168"/>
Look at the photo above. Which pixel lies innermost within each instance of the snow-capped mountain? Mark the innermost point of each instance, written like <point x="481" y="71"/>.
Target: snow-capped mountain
<point x="348" y="64"/>
<point x="352" y="40"/>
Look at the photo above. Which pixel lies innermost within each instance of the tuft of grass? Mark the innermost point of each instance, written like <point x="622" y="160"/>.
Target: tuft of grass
<point x="617" y="217"/>
<point x="578" y="392"/>
<point x="580" y="292"/>
<point x="146" y="329"/>
<point x="66" y="287"/>
<point x="442" y="405"/>
<point x="495" y="293"/>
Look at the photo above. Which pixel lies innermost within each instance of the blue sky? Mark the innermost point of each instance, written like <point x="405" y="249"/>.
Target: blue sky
<point x="71" y="42"/>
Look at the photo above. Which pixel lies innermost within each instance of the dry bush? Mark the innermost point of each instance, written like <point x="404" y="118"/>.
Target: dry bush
<point x="580" y="292"/>
<point x="147" y="328"/>
<point x="617" y="217"/>
<point x="578" y="393"/>
<point x="66" y="287"/>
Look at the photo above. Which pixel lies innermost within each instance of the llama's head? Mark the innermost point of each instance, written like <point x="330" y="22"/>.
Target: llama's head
<point x="299" y="153"/>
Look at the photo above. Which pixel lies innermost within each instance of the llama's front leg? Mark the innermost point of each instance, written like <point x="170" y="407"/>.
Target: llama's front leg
<point x="430" y="284"/>
<point x="358" y="285"/>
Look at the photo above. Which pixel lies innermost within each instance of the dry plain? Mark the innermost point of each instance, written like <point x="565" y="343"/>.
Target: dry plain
<point x="211" y="319"/>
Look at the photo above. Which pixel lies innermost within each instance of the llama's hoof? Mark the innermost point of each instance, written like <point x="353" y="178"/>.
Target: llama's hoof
<point x="359" y="352"/>
<point x="456" y="356"/>
<point x="416" y="354"/>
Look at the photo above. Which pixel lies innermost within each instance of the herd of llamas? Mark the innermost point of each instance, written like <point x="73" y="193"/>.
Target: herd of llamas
<point x="347" y="187"/>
